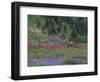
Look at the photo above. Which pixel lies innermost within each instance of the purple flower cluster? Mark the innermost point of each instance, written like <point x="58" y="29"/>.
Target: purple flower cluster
<point x="52" y="61"/>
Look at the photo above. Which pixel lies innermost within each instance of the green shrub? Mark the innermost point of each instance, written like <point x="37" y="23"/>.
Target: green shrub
<point x="83" y="39"/>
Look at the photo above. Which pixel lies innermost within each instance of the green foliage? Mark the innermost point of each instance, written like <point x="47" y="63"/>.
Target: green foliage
<point x="68" y="62"/>
<point x="39" y="37"/>
<point x="36" y="35"/>
<point x="68" y="28"/>
<point x="74" y="36"/>
<point x="48" y="52"/>
<point x="83" y="39"/>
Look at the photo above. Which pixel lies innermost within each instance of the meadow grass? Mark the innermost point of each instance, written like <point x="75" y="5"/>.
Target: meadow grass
<point x="38" y="53"/>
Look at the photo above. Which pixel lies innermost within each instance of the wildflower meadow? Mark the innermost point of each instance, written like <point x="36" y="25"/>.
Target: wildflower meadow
<point x="57" y="40"/>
